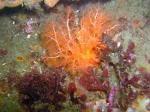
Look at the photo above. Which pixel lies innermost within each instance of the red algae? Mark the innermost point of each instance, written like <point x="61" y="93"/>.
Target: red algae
<point x="3" y="52"/>
<point x="91" y="83"/>
<point x="144" y="81"/>
<point x="72" y="87"/>
<point x="45" y="87"/>
<point x="111" y="97"/>
<point x="83" y="97"/>
<point x="129" y="55"/>
<point x="76" y="48"/>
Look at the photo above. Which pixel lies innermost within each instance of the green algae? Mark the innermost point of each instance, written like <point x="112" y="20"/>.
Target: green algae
<point x="9" y="103"/>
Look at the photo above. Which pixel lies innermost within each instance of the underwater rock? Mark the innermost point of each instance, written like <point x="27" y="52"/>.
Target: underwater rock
<point x="28" y="3"/>
<point x="32" y="3"/>
<point x="2" y="4"/>
<point x="51" y="3"/>
<point x="12" y="3"/>
<point x="141" y="104"/>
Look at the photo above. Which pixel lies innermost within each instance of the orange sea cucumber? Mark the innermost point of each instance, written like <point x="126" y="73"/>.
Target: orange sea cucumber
<point x="76" y="48"/>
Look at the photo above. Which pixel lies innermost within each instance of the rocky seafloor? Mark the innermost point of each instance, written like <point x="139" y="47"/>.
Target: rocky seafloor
<point x="40" y="73"/>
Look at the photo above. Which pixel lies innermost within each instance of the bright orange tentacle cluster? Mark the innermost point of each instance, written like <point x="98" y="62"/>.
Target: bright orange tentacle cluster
<point x="73" y="47"/>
